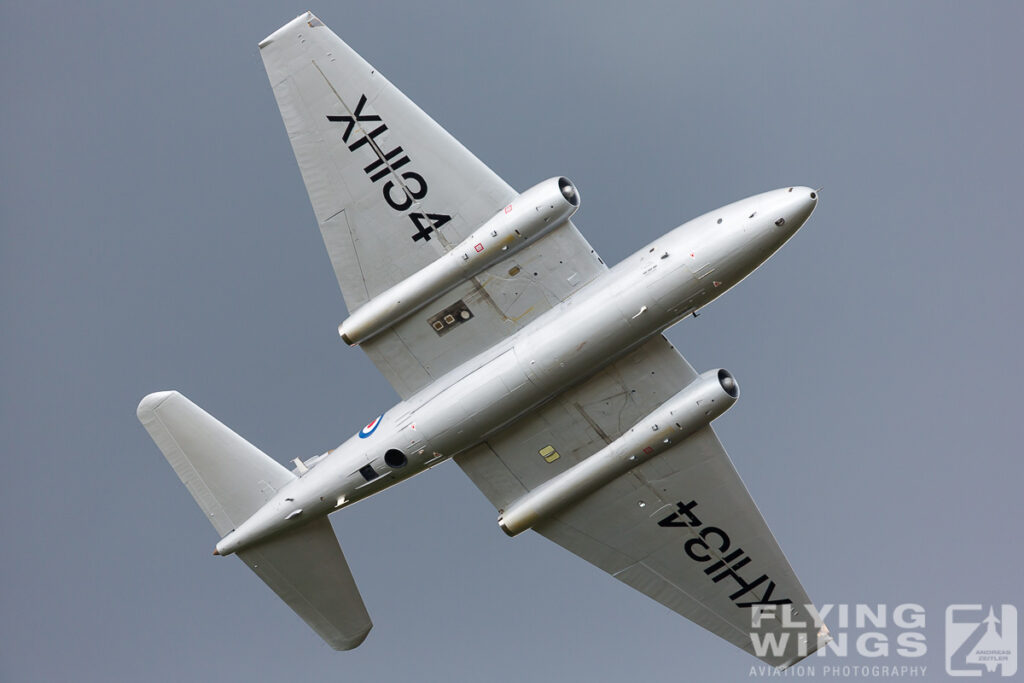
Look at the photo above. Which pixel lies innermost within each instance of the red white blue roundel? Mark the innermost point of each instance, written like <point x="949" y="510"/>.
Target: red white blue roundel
<point x="370" y="428"/>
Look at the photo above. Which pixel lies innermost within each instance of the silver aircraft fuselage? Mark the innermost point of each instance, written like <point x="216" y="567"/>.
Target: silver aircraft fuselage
<point x="643" y="295"/>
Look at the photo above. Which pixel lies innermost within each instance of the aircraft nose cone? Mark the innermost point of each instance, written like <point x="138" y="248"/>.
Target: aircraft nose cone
<point x="790" y="209"/>
<point x="802" y="201"/>
<point x="811" y="201"/>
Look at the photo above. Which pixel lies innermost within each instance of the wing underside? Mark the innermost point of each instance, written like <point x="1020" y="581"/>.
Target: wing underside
<point x="680" y="528"/>
<point x="392" y="191"/>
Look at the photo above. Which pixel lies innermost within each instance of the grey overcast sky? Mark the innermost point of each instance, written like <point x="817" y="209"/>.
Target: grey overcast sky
<point x="156" y="234"/>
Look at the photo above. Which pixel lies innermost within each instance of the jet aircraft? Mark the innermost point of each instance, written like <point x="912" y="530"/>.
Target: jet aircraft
<point x="517" y="352"/>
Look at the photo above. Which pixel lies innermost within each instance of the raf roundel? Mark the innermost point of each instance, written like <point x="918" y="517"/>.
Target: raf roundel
<point x="370" y="428"/>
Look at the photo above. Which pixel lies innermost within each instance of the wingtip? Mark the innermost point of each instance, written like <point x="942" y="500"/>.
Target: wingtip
<point x="306" y="17"/>
<point x="350" y="643"/>
<point x="151" y="402"/>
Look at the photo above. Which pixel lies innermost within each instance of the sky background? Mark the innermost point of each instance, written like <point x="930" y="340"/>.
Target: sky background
<point x="155" y="234"/>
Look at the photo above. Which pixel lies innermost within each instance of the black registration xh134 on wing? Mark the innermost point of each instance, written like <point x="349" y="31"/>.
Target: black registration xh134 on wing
<point x="516" y="352"/>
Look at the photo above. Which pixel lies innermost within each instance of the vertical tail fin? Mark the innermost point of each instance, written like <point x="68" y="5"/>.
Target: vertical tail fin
<point x="231" y="479"/>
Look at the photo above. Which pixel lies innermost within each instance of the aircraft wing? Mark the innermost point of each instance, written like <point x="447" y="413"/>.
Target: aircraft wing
<point x="680" y="528"/>
<point x="392" y="191"/>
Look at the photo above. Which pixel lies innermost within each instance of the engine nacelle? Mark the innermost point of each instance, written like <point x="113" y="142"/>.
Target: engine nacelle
<point x="530" y="215"/>
<point x="694" y="407"/>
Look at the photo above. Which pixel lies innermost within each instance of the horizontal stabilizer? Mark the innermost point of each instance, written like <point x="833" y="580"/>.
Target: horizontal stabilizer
<point x="228" y="476"/>
<point x="231" y="479"/>
<point x="307" y="570"/>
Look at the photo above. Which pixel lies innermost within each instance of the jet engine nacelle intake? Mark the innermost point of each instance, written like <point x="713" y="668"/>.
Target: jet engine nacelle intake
<point x="704" y="399"/>
<point x="529" y="216"/>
